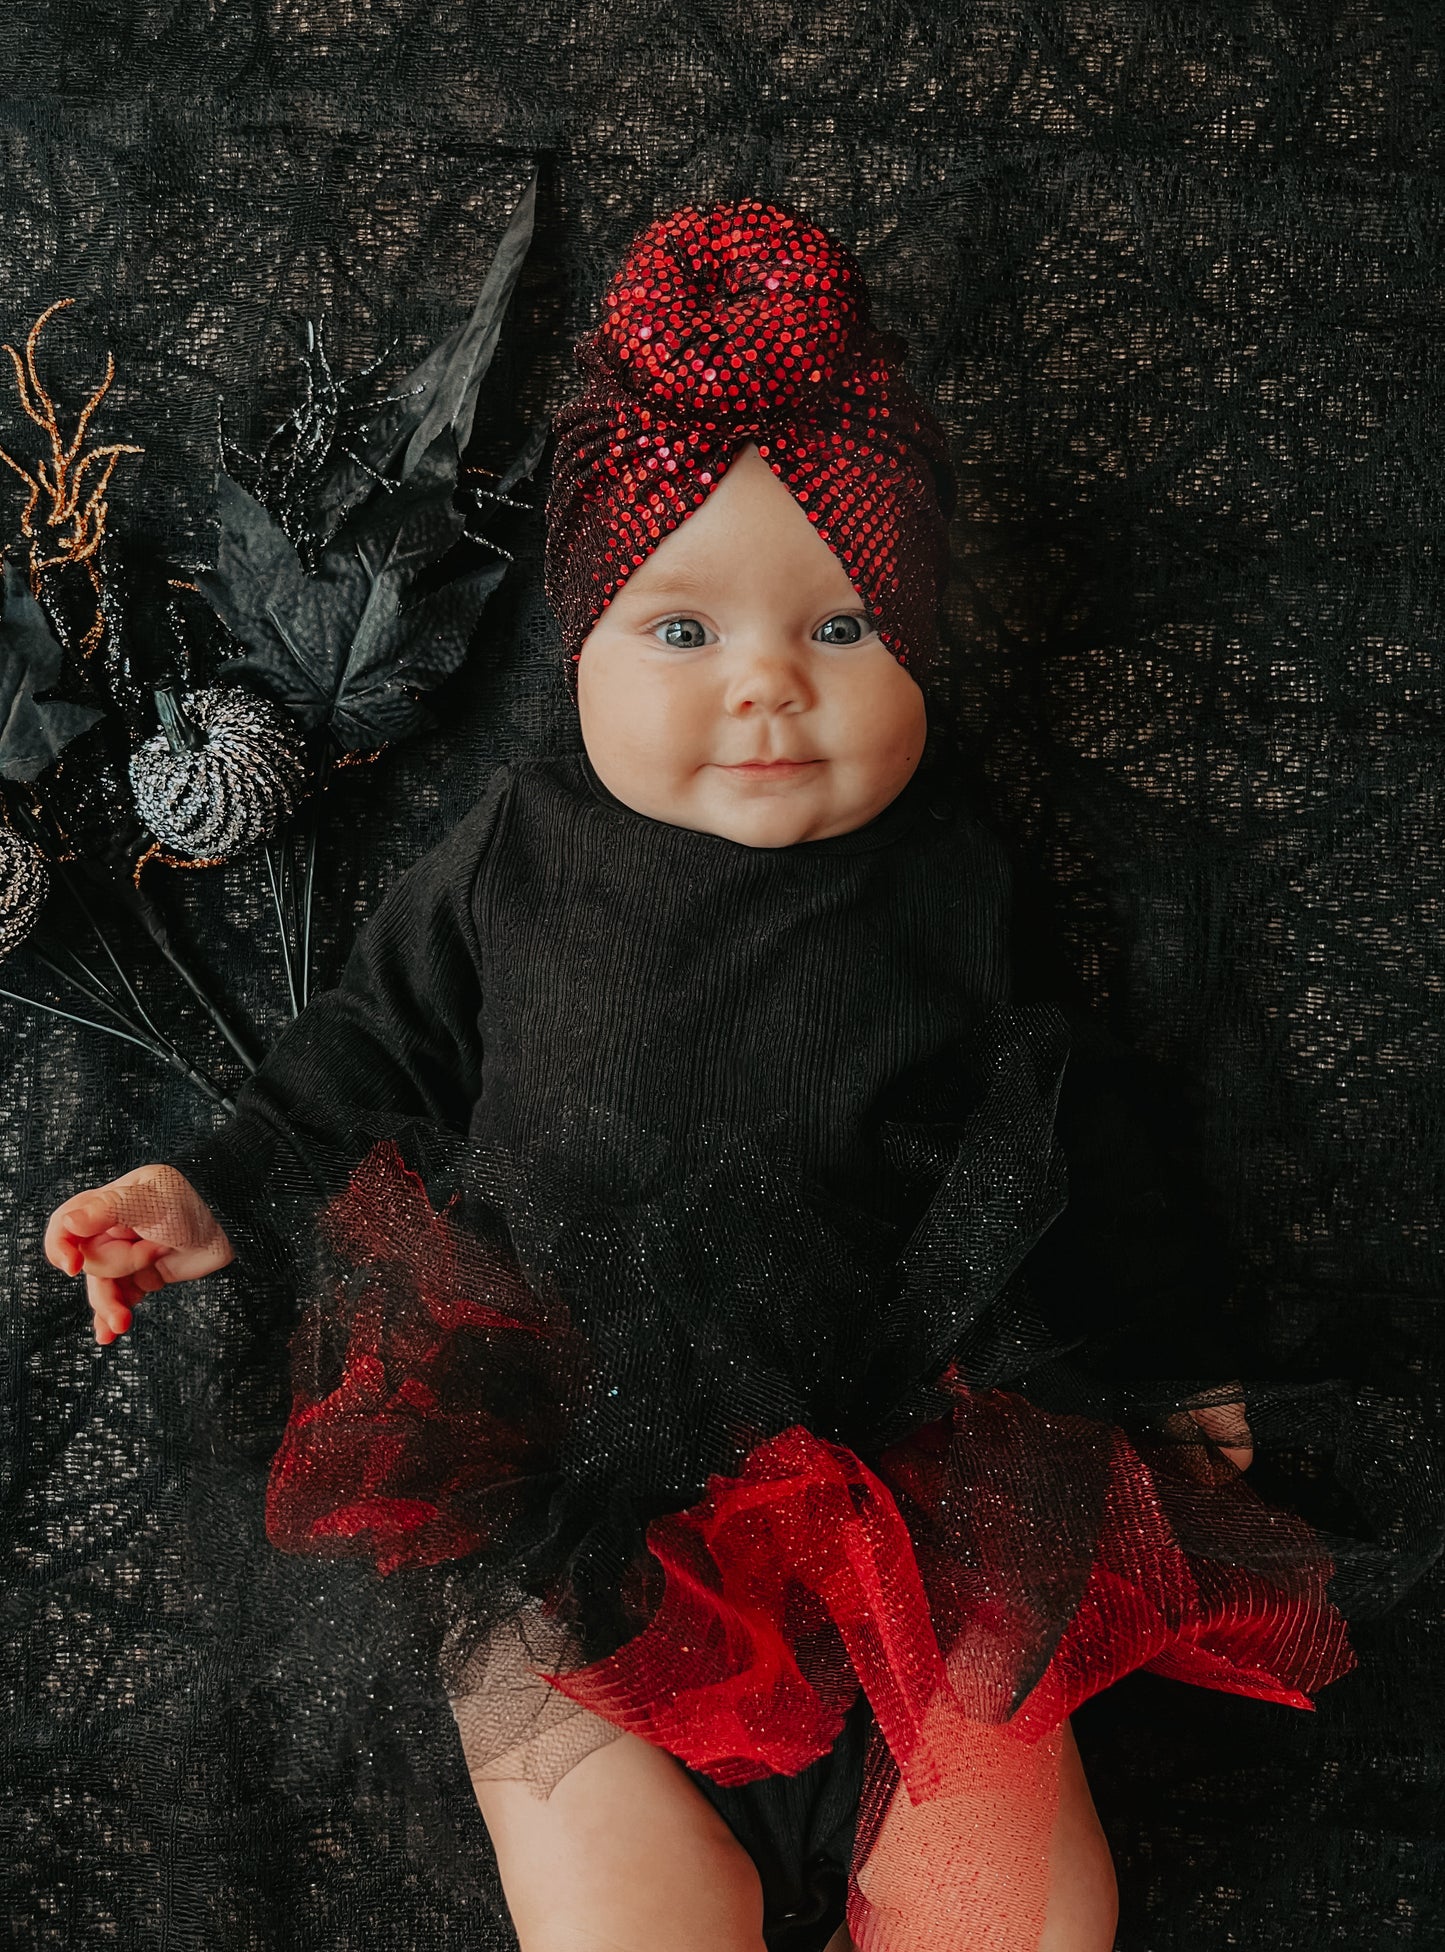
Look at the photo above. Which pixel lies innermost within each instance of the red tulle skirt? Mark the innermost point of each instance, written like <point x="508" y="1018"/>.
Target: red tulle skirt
<point x="977" y="1579"/>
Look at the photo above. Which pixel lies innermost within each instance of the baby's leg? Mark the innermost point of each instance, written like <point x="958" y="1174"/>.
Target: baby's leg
<point x="625" y="1855"/>
<point x="1083" y="1895"/>
<point x="1081" y="1906"/>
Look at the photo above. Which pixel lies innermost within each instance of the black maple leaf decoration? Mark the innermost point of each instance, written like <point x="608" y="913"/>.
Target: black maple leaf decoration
<point x="339" y="645"/>
<point x="34" y="730"/>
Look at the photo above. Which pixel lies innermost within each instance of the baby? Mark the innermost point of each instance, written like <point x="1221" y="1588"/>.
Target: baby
<point x="745" y="548"/>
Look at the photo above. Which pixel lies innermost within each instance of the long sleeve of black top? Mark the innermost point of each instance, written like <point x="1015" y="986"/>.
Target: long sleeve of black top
<point x="397" y="1037"/>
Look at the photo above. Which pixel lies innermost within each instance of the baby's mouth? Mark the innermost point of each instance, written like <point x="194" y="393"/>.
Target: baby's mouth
<point x="769" y="765"/>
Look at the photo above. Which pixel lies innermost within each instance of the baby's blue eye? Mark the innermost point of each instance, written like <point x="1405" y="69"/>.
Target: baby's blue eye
<point x="687" y="634"/>
<point x="683" y="623"/>
<point x="859" y="626"/>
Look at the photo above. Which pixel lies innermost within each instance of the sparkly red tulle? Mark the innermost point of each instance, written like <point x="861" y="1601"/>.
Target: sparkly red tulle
<point x="407" y="1460"/>
<point x="808" y="1574"/>
<point x="978" y="1579"/>
<point x="932" y="1583"/>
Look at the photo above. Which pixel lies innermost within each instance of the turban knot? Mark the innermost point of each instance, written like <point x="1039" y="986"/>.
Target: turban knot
<point x="744" y="323"/>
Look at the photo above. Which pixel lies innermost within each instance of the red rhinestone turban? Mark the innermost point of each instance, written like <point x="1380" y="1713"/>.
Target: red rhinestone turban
<point x="734" y="324"/>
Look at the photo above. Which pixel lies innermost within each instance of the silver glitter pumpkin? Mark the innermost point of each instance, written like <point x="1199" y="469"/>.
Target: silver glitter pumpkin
<point x="227" y="768"/>
<point x="24" y="881"/>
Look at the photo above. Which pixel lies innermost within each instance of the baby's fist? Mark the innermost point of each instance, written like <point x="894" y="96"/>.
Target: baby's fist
<point x="1224" y="1424"/>
<point x="141" y="1232"/>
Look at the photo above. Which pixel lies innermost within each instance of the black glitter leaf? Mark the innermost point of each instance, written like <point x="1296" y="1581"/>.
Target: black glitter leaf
<point x="336" y="648"/>
<point x="451" y="375"/>
<point x="34" y="731"/>
<point x="421" y="432"/>
<point x="433" y="633"/>
<point x="332" y="643"/>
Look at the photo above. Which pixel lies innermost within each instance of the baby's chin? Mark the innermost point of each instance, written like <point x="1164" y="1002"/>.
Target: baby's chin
<point x="764" y="807"/>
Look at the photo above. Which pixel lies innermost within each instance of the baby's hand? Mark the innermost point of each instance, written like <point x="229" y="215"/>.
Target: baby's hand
<point x="1224" y="1423"/>
<point x="140" y="1232"/>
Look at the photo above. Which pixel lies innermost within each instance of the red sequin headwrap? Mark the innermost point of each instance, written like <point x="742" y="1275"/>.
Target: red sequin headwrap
<point x="735" y="324"/>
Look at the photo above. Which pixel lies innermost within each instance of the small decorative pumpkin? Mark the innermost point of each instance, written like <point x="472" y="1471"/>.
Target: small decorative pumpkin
<point x="226" y="769"/>
<point x="24" y="883"/>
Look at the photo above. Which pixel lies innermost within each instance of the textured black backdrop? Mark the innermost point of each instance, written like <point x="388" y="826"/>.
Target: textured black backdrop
<point x="1174" y="275"/>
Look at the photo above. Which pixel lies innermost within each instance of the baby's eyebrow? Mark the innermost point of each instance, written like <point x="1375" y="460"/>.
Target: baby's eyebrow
<point x="687" y="582"/>
<point x="677" y="582"/>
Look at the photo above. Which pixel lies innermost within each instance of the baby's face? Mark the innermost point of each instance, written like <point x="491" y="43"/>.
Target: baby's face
<point x="741" y="639"/>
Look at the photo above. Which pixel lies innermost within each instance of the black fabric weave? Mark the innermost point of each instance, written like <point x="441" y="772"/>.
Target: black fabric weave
<point x="1173" y="277"/>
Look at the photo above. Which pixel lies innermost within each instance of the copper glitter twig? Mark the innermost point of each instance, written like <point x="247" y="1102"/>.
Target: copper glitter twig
<point x="156" y="852"/>
<point x="62" y="481"/>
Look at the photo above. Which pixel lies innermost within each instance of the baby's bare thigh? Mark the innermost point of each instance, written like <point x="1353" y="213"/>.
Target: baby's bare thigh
<point x="1083" y="1909"/>
<point x="625" y="1855"/>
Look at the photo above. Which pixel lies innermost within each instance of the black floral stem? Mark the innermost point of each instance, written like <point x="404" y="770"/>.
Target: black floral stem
<point x="155" y="928"/>
<point x="109" y="1030"/>
<point x="171" y="1057"/>
<point x="88" y="982"/>
<point x="288" y="891"/>
<point x="126" y="984"/>
<point x="212" y="1009"/>
<point x="308" y="886"/>
<point x="94" y="988"/>
<point x="281" y="925"/>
